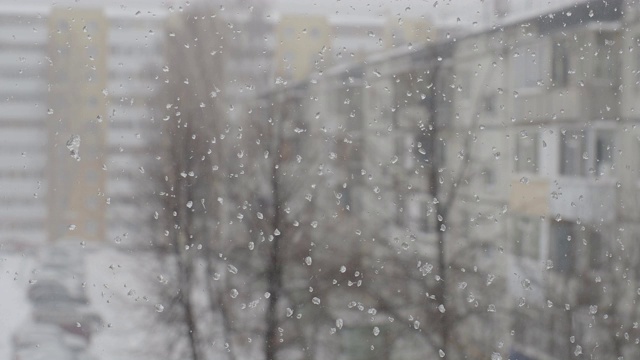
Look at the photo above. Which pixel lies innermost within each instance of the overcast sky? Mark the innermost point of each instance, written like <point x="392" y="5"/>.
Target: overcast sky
<point x="467" y="10"/>
<point x="462" y="12"/>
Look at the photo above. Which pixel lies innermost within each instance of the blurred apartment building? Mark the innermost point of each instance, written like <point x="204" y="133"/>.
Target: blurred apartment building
<point x="548" y="101"/>
<point x="77" y="86"/>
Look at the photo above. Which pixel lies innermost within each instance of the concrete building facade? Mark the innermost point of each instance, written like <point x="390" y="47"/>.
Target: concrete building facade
<point x="77" y="86"/>
<point x="539" y="112"/>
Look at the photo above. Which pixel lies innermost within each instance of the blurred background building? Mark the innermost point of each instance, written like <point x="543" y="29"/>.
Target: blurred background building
<point x="77" y="85"/>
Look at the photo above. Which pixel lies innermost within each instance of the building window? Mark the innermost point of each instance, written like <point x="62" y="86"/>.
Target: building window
<point x="526" y="160"/>
<point x="560" y="65"/>
<point x="561" y="249"/>
<point x="604" y="64"/>
<point x="573" y="155"/>
<point x="489" y="103"/>
<point x="528" y="66"/>
<point x="489" y="178"/>
<point x="526" y="237"/>
<point x="575" y="247"/>
<point x="604" y="145"/>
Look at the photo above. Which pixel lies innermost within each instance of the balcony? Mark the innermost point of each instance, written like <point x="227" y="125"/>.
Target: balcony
<point x="584" y="198"/>
<point x="595" y="98"/>
<point x="571" y="198"/>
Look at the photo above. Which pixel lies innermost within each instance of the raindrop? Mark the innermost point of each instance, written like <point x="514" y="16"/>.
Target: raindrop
<point x="578" y="350"/>
<point x="232" y="269"/>
<point x="73" y="144"/>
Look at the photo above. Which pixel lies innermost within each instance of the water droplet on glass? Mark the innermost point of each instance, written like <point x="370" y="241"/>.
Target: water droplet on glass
<point x="232" y="269"/>
<point x="73" y="144"/>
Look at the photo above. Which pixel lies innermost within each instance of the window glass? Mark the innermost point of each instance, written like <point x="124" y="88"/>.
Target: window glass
<point x="573" y="156"/>
<point x="604" y="152"/>
<point x="334" y="179"/>
<point x="560" y="64"/>
<point x="529" y="65"/>
<point x="527" y="152"/>
<point x="526" y="238"/>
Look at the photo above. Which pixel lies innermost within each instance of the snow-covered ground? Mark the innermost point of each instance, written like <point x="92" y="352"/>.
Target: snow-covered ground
<point x="15" y="273"/>
<point x="114" y="286"/>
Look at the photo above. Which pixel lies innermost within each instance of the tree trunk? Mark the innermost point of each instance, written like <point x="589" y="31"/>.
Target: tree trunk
<point x="274" y="268"/>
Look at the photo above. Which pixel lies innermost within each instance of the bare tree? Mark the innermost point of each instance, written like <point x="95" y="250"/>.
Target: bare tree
<point x="440" y="260"/>
<point x="187" y="168"/>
